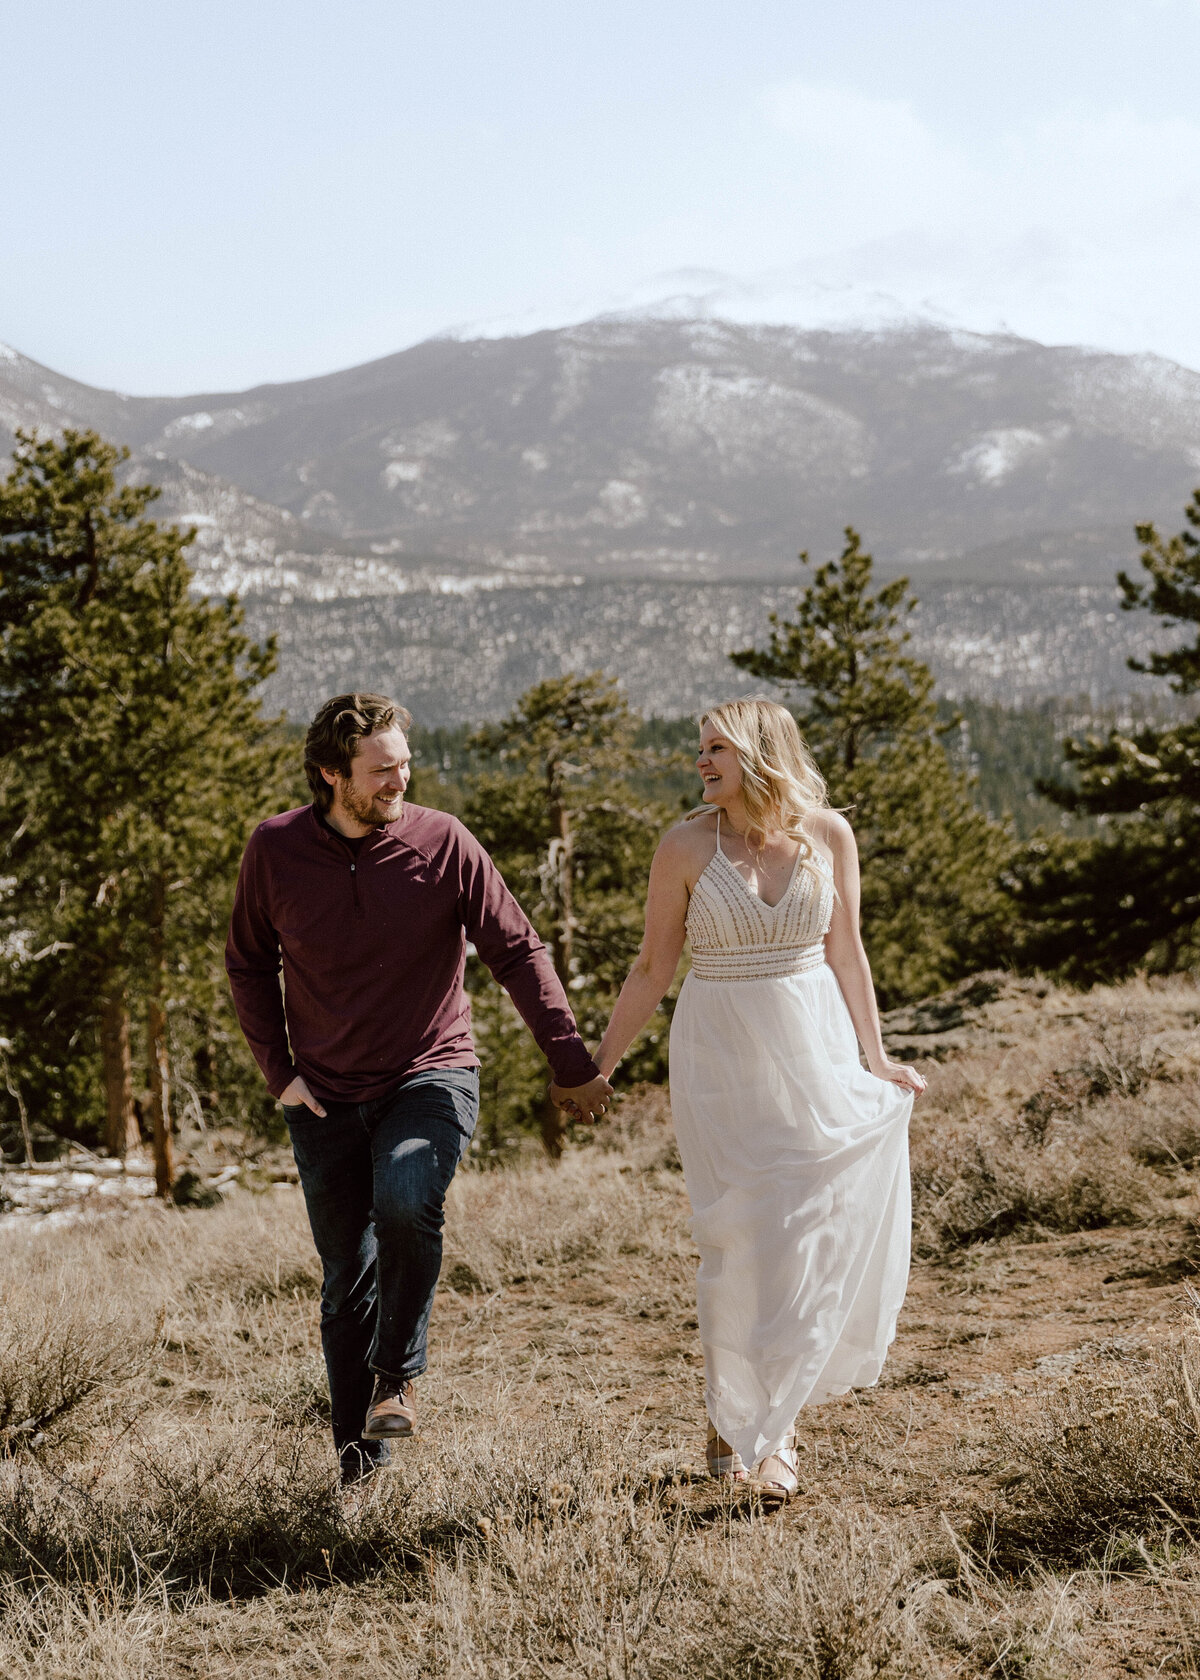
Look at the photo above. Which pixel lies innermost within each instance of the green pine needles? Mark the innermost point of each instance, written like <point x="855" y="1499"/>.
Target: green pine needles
<point x="931" y="906"/>
<point x="133" y="759"/>
<point x="1130" y="898"/>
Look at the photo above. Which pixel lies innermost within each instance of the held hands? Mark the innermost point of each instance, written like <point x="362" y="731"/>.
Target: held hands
<point x="583" y="1102"/>
<point x="896" y="1073"/>
<point x="298" y="1093"/>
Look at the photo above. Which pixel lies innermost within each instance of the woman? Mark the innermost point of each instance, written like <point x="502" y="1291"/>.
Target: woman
<point x="796" y="1157"/>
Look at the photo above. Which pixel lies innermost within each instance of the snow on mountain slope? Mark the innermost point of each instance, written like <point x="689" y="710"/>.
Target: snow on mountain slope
<point x="459" y="519"/>
<point x="659" y="447"/>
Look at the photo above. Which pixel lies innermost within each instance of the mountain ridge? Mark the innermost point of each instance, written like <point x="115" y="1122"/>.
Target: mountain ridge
<point x="460" y="519"/>
<point x="635" y="447"/>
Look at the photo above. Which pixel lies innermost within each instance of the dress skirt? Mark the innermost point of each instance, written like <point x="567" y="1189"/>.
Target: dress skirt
<point x="796" y="1160"/>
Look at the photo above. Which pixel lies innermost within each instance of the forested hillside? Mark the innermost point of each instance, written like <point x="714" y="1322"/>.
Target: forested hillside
<point x="137" y="756"/>
<point x="464" y="653"/>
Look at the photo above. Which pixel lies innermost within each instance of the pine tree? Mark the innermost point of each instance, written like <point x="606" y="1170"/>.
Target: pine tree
<point x="1098" y="908"/>
<point x="574" y="842"/>
<point x="930" y="859"/>
<point x="135" y="756"/>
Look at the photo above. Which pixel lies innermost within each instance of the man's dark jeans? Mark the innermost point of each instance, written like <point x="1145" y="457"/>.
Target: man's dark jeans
<point x="375" y="1177"/>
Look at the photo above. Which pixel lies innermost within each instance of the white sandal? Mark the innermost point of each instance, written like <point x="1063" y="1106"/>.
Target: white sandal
<point x="723" y="1467"/>
<point x="776" y="1490"/>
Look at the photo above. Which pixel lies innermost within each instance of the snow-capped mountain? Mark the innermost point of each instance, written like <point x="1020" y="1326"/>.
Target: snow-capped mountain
<point x="458" y="520"/>
<point x="676" y="448"/>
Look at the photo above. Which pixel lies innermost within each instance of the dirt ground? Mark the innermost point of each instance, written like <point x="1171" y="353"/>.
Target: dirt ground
<point x="993" y="1328"/>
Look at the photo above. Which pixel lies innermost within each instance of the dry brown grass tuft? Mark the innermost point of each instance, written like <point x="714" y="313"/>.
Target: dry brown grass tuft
<point x="65" y="1334"/>
<point x="1043" y="1628"/>
<point x="840" y="1603"/>
<point x="1053" y="1125"/>
<point x="1163" y="1127"/>
<point x="227" y="1510"/>
<point x="1104" y="1464"/>
<point x="250" y="1251"/>
<point x="1004" y="1175"/>
<point x="597" y="1210"/>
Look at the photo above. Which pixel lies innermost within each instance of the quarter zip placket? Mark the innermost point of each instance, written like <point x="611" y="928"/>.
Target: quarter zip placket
<point x="358" y="909"/>
<point x="355" y="854"/>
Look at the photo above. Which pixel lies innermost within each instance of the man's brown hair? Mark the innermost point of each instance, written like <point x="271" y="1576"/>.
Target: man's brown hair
<point x="336" y="732"/>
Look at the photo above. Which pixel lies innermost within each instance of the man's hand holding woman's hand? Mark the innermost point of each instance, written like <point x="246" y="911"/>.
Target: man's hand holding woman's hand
<point x="584" y="1102"/>
<point x="581" y="1102"/>
<point x="298" y="1095"/>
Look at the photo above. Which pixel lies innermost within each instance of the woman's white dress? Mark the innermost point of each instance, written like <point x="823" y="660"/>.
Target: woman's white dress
<point x="796" y="1159"/>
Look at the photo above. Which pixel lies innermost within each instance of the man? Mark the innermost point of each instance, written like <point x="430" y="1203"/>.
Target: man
<point x="366" y="905"/>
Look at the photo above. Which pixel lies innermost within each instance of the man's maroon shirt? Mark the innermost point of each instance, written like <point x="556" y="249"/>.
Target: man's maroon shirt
<point x="371" y="941"/>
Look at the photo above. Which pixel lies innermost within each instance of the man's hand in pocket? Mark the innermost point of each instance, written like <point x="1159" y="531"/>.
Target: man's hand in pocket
<point x="298" y="1094"/>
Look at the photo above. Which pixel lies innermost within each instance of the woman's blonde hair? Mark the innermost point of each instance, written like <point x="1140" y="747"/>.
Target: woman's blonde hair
<point x="781" y="785"/>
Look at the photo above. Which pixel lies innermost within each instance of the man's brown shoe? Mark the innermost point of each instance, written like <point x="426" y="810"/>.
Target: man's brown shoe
<point x="392" y="1412"/>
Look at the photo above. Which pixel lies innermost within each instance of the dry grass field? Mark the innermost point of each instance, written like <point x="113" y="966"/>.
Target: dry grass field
<point x="1019" y="1497"/>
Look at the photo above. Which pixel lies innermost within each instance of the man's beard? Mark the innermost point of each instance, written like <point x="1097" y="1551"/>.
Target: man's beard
<point x="365" y="809"/>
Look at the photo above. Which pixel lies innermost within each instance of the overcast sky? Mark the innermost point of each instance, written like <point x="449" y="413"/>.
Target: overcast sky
<point x="202" y="196"/>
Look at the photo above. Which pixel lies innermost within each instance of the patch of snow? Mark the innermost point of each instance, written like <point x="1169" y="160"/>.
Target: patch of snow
<point x="323" y="505"/>
<point x="619" y="504"/>
<point x="220" y="421"/>
<point x="980" y="344"/>
<point x="402" y="472"/>
<point x="711" y="335"/>
<point x="755" y="423"/>
<point x="54" y="1194"/>
<point x="535" y="459"/>
<point x="618" y="331"/>
<point x="237" y="579"/>
<point x="430" y="437"/>
<point x="198" y="422"/>
<point x="12" y="415"/>
<point x="452" y="583"/>
<point x="998" y="454"/>
<point x="1146" y="399"/>
<point x="575" y="365"/>
<point x="8" y="354"/>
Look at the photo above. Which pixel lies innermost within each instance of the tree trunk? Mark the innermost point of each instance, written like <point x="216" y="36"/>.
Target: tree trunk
<point x="120" y="1123"/>
<point x="553" y="1123"/>
<point x="14" y="1091"/>
<point x="206" y="1078"/>
<point x="566" y="895"/>
<point x="156" y="1033"/>
<point x="561" y="867"/>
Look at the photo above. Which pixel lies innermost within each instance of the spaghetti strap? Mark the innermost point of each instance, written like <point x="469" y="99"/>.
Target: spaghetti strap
<point x="719" y="831"/>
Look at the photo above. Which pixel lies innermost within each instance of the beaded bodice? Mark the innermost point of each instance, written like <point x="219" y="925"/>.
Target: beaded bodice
<point x="735" y="936"/>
